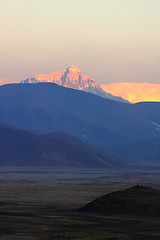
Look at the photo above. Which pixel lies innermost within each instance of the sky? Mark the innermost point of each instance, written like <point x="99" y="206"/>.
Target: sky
<point x="134" y="92"/>
<point x="109" y="40"/>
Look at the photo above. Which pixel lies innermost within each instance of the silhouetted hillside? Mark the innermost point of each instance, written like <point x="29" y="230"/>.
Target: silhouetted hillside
<point x="138" y="200"/>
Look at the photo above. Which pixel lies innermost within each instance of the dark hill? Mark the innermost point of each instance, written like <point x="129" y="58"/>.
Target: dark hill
<point x="22" y="148"/>
<point x="47" y="107"/>
<point x="138" y="201"/>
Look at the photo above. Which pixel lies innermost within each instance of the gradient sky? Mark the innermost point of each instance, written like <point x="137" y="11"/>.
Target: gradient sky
<point x="109" y="40"/>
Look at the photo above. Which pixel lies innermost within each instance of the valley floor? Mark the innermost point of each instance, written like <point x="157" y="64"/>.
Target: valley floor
<point x="32" y="211"/>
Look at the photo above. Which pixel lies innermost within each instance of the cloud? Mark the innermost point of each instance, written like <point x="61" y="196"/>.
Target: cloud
<point x="6" y="81"/>
<point x="134" y="92"/>
<point x="2" y="81"/>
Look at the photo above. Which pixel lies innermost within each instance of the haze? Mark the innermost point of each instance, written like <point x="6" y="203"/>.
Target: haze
<point x="111" y="41"/>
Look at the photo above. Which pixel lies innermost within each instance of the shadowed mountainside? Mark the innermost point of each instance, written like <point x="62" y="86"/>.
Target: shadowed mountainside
<point x="22" y="148"/>
<point x="141" y="150"/>
<point x="47" y="107"/>
<point x="138" y="201"/>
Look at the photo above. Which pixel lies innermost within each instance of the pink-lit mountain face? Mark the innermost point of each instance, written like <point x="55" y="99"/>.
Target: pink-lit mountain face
<point x="73" y="77"/>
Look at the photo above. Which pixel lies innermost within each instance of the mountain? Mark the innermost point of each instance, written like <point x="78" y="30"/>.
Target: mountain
<point x="73" y="77"/>
<point x="141" y="150"/>
<point x="92" y="149"/>
<point x="48" y="107"/>
<point x="22" y="148"/>
<point x="134" y="201"/>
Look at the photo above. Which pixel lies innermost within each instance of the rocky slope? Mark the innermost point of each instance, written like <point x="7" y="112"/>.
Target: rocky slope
<point x="73" y="77"/>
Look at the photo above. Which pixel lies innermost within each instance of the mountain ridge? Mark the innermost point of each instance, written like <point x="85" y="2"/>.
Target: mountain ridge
<point x="23" y="148"/>
<point x="73" y="77"/>
<point x="48" y="107"/>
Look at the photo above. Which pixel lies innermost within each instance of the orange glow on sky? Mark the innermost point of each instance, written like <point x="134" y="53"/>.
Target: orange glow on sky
<point x="6" y="81"/>
<point x="134" y="92"/>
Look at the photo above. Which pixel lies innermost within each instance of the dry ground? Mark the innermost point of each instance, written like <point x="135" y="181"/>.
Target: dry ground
<point x="33" y="212"/>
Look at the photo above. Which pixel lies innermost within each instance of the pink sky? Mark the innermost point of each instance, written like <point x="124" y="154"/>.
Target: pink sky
<point x="111" y="41"/>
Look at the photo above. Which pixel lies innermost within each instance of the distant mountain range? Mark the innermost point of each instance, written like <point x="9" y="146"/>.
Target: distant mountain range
<point x="45" y="108"/>
<point x="73" y="77"/>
